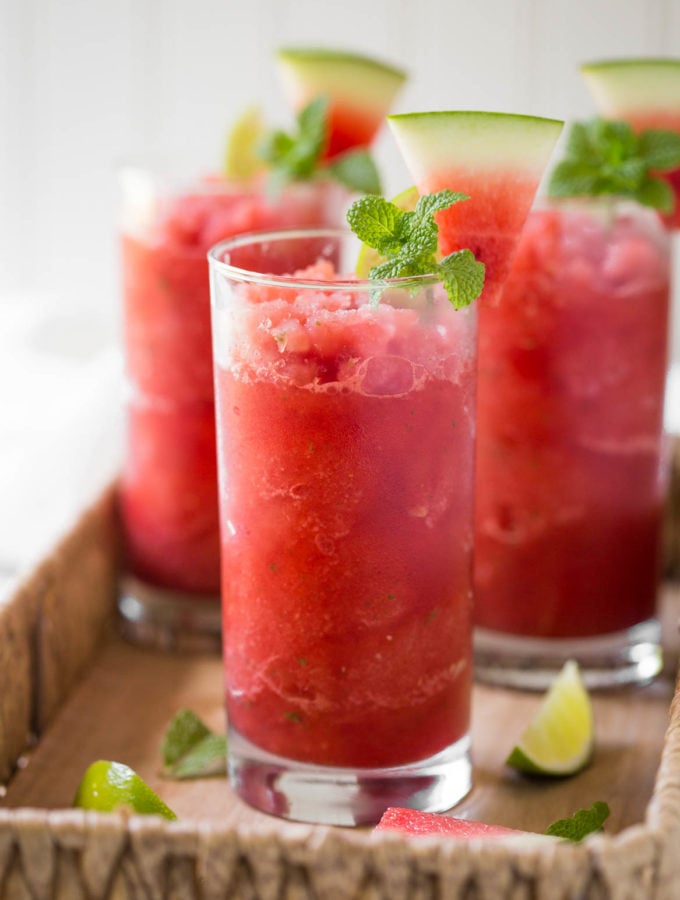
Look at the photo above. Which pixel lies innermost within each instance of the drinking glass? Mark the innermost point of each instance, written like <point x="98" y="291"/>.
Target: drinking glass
<point x="168" y="485"/>
<point x="570" y="449"/>
<point x="345" y="428"/>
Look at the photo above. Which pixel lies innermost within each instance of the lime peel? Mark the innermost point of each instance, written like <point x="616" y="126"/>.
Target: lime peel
<point x="109" y="786"/>
<point x="241" y="159"/>
<point x="559" y="739"/>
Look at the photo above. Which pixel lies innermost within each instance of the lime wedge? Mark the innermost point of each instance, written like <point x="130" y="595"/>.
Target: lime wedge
<point x="107" y="786"/>
<point x="241" y="160"/>
<point x="368" y="256"/>
<point x="559" y="739"/>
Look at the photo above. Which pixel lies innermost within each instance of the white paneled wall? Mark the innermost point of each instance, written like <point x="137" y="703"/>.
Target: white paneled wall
<point x="85" y="83"/>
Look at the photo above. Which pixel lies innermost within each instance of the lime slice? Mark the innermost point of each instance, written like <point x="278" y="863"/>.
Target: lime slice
<point x="369" y="256"/>
<point x="107" y="786"/>
<point x="559" y="738"/>
<point x="241" y="160"/>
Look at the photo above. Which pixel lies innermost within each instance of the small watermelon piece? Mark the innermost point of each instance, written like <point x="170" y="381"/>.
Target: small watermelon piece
<point x="645" y="93"/>
<point x="359" y="89"/>
<point x="413" y="821"/>
<point x="497" y="159"/>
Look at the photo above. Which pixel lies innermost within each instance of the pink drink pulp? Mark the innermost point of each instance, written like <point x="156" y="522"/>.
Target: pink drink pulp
<point x="345" y="438"/>
<point x="168" y="489"/>
<point x="572" y="366"/>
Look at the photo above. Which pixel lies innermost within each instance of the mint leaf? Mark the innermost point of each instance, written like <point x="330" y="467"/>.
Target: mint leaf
<point x="299" y="156"/>
<point x="408" y="239"/>
<point x="657" y="193"/>
<point x="608" y="158"/>
<point x="357" y="171"/>
<point x="295" y="157"/>
<point x="185" y="730"/>
<point x="376" y="222"/>
<point x="660" y="149"/>
<point x="401" y="267"/>
<point x="582" y="823"/>
<point x="463" y="277"/>
<point x="431" y="203"/>
<point x="206" y="758"/>
<point x="572" y="178"/>
<point x="190" y="749"/>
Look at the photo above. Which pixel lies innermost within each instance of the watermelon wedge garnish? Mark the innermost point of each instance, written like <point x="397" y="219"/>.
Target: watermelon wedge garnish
<point x="359" y="89"/>
<point x="645" y="93"/>
<point x="415" y="823"/>
<point x="498" y="159"/>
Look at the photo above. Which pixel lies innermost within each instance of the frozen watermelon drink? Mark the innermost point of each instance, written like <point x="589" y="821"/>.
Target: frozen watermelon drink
<point x="168" y="487"/>
<point x="345" y="425"/>
<point x="273" y="180"/>
<point x="572" y="367"/>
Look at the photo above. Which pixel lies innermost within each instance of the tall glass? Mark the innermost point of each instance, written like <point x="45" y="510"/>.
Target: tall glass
<point x="168" y="486"/>
<point x="345" y="453"/>
<point x="570" y="484"/>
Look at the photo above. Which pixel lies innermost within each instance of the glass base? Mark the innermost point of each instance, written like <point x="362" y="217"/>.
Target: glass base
<point x="630" y="657"/>
<point x="169" y="620"/>
<point x="328" y="795"/>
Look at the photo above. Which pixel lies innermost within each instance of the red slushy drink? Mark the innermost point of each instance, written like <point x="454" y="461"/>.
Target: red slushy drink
<point x="168" y="489"/>
<point x="345" y="434"/>
<point x="572" y="366"/>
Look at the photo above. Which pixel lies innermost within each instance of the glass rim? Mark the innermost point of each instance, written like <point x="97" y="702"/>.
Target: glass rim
<point x="167" y="178"/>
<point x="237" y="273"/>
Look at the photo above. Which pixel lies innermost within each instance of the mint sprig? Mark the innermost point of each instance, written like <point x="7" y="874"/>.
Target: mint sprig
<point x="582" y="823"/>
<point x="357" y="170"/>
<point x="409" y="241"/>
<point x="191" y="750"/>
<point x="298" y="156"/>
<point x="606" y="157"/>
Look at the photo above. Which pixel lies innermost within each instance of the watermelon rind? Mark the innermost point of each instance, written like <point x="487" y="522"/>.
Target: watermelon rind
<point x="309" y="72"/>
<point x="481" y="140"/>
<point x="629" y="85"/>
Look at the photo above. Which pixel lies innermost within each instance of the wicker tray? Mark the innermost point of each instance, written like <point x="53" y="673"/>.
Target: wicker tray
<point x="71" y="692"/>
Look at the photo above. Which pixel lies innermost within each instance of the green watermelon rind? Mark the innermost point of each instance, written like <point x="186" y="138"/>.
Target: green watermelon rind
<point x="491" y="141"/>
<point x="308" y="72"/>
<point x="325" y="56"/>
<point x="621" y="86"/>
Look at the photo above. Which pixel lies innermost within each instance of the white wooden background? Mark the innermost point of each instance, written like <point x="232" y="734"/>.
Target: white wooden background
<point x="84" y="83"/>
<point x="87" y="83"/>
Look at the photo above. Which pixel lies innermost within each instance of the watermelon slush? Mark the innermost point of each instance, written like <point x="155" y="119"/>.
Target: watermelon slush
<point x="345" y="446"/>
<point x="168" y="488"/>
<point x="572" y="367"/>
